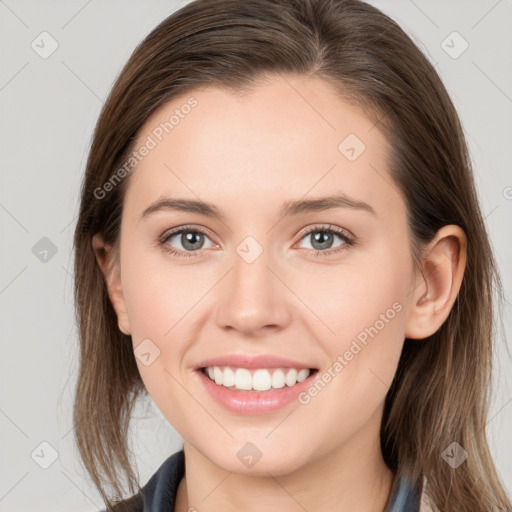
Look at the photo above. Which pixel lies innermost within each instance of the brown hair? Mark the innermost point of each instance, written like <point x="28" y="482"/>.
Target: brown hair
<point x="440" y="391"/>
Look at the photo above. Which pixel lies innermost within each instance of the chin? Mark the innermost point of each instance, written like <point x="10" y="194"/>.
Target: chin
<point x="247" y="459"/>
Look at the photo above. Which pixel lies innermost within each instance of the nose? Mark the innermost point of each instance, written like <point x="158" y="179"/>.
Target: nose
<point x="253" y="298"/>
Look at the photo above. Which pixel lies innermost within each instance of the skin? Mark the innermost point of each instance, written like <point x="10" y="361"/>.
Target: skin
<point x="248" y="154"/>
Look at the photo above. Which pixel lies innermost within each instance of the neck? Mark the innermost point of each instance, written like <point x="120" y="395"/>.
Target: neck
<point x="352" y="477"/>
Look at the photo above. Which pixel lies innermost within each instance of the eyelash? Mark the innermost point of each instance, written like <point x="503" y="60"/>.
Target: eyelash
<point x="348" y="242"/>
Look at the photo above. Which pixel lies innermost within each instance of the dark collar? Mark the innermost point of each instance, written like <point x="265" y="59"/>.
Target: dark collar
<point x="159" y="494"/>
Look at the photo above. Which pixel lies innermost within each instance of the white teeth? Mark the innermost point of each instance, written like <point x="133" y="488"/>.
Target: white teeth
<point x="291" y="377"/>
<point x="217" y="375"/>
<point x="228" y="378"/>
<point x="243" y="379"/>
<point x="278" y="379"/>
<point x="258" y="380"/>
<point x="302" y="374"/>
<point x="261" y="380"/>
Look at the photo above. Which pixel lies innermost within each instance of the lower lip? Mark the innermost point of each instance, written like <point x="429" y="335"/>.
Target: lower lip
<point x="260" y="402"/>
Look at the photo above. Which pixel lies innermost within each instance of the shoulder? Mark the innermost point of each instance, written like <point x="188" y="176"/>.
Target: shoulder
<point x="409" y="494"/>
<point x="133" y="504"/>
<point x="159" y="491"/>
<point x="425" y="503"/>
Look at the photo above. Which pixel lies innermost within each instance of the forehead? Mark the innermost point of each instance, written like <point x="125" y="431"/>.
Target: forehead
<point x="287" y="138"/>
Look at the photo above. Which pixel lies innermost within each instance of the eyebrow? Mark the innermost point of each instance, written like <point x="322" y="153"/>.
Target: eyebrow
<point x="289" y="208"/>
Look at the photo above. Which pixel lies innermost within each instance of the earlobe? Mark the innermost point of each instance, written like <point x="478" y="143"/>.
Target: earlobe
<point x="443" y="265"/>
<point x="109" y="267"/>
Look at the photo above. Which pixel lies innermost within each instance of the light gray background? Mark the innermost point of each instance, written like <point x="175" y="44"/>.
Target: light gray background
<point x="49" y="108"/>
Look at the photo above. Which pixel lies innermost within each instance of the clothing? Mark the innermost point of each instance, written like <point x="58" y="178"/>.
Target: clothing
<point x="159" y="493"/>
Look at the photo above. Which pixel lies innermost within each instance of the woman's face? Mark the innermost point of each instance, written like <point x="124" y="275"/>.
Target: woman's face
<point x="268" y="277"/>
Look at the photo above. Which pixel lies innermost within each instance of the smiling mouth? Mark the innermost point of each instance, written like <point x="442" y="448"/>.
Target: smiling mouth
<point x="256" y="380"/>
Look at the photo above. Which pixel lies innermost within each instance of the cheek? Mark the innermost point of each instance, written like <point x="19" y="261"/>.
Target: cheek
<point x="161" y="301"/>
<point x="362" y="312"/>
<point x="159" y="294"/>
<point x="349" y="299"/>
<point x="366" y="313"/>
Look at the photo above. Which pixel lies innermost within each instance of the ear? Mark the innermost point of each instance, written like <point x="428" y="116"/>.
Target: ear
<point x="443" y="264"/>
<point x="109" y="266"/>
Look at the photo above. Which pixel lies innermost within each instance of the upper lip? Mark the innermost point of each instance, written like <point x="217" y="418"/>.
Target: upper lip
<point x="246" y="361"/>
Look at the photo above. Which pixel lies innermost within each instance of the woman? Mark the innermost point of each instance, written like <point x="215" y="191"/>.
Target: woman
<point x="280" y="243"/>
